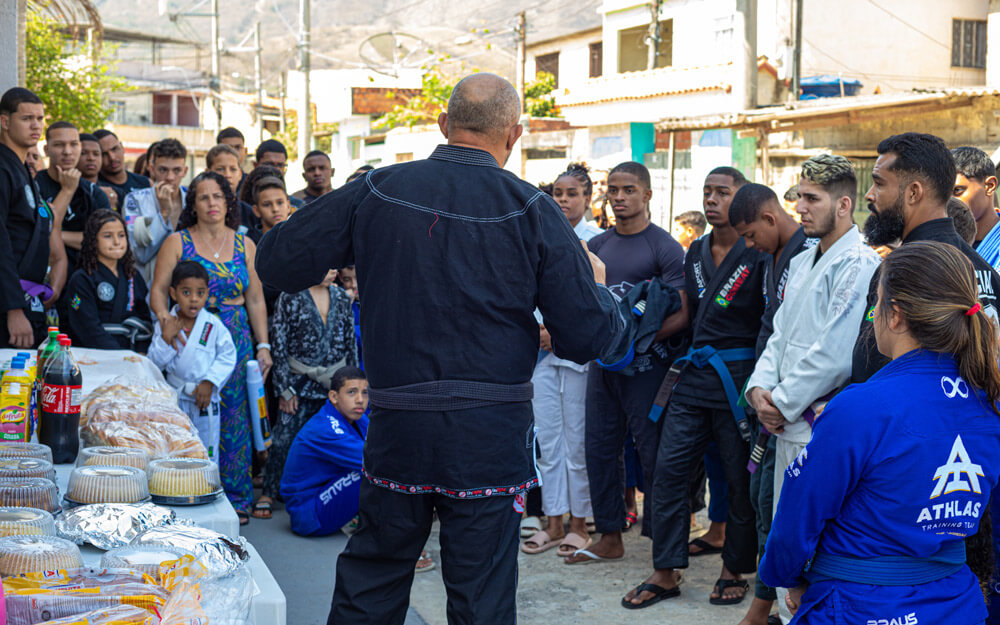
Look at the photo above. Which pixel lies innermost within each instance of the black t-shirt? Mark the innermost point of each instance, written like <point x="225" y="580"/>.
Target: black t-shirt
<point x="25" y="224"/>
<point x="867" y="360"/>
<point x="633" y="258"/>
<point x="730" y="300"/>
<point x="133" y="181"/>
<point x="87" y="198"/>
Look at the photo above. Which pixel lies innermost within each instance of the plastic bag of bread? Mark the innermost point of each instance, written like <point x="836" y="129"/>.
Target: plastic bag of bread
<point x="159" y="440"/>
<point x="117" y="615"/>
<point x="141" y="390"/>
<point x="124" y="410"/>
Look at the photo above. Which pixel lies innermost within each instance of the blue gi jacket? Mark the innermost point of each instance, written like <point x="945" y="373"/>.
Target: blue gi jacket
<point x="897" y="466"/>
<point x="326" y="449"/>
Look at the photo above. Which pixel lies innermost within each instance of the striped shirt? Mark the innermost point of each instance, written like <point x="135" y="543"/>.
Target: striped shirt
<point x="989" y="247"/>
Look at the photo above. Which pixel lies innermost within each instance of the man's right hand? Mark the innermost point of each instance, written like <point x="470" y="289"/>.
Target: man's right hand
<point x="69" y="179"/>
<point x="168" y="198"/>
<point x="595" y="263"/>
<point x="112" y="196"/>
<point x="767" y="412"/>
<point x="19" y="329"/>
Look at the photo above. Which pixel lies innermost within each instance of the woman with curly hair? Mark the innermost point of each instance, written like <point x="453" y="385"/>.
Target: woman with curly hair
<point x="207" y="234"/>
<point x="106" y="296"/>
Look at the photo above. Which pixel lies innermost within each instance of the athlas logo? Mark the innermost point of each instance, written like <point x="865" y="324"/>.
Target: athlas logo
<point x="725" y="297"/>
<point x="909" y="619"/>
<point x="954" y="386"/>
<point x="949" y="475"/>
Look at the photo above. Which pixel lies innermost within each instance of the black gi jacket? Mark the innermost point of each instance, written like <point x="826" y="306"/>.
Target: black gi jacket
<point x="867" y="360"/>
<point x="87" y="198"/>
<point x="453" y="255"/>
<point x="93" y="300"/>
<point x="775" y="279"/>
<point x="25" y="224"/>
<point x="726" y="305"/>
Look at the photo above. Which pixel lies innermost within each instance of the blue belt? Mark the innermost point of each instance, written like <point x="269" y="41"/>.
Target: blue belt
<point x="716" y="358"/>
<point x="889" y="570"/>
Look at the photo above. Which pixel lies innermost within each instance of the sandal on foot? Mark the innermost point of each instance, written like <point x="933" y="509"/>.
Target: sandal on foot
<point x="571" y="544"/>
<point x="721" y="585"/>
<point x="264" y="510"/>
<point x="530" y="525"/>
<point x="591" y="557"/>
<point x="244" y="518"/>
<point x="631" y="518"/>
<point x="706" y="548"/>
<point x="659" y="594"/>
<point x="426" y="561"/>
<point x="539" y="542"/>
<point x="774" y="619"/>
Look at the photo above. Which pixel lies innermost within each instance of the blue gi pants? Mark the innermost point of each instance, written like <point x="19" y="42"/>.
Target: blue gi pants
<point x="615" y="404"/>
<point x="479" y="541"/>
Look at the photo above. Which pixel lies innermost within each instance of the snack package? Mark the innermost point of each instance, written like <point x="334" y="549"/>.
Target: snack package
<point x="117" y="615"/>
<point x="35" y="605"/>
<point x="83" y="577"/>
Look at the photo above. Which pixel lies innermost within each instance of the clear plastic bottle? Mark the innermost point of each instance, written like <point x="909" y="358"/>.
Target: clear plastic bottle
<point x="59" y="418"/>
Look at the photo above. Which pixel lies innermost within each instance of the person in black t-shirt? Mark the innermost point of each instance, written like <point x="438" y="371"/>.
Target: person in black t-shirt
<point x="113" y="172"/>
<point x="71" y="198"/>
<point x="317" y="174"/>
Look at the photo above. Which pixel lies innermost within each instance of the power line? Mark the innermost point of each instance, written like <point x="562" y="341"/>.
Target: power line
<point x="908" y="25"/>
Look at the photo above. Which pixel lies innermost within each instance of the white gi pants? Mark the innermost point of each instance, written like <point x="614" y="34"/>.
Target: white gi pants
<point x="785" y="453"/>
<point x="560" y="416"/>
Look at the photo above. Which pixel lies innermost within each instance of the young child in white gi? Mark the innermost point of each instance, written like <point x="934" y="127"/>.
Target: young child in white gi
<point x="195" y="351"/>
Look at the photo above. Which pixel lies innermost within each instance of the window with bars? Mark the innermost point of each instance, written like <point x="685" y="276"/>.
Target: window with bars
<point x="968" y="43"/>
<point x="548" y="63"/>
<point x="596" y="59"/>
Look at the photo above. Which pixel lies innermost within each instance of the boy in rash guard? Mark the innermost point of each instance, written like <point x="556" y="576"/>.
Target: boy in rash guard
<point x="725" y="282"/>
<point x="322" y="478"/>
<point x="873" y="512"/>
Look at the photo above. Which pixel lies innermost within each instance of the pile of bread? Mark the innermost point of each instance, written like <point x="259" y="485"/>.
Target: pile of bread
<point x="141" y="415"/>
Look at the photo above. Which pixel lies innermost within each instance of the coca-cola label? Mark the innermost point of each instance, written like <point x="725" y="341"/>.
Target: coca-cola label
<point x="58" y="399"/>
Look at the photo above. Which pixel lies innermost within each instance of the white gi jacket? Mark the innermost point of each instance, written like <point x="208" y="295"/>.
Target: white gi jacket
<point x="809" y="354"/>
<point x="209" y="354"/>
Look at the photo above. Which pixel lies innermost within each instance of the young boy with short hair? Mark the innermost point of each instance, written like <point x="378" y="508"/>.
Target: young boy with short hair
<point x="321" y="484"/>
<point x="689" y="226"/>
<point x="195" y="351"/>
<point x="270" y="205"/>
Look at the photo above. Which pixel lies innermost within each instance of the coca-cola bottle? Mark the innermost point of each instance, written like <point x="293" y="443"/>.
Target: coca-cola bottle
<point x="59" y="422"/>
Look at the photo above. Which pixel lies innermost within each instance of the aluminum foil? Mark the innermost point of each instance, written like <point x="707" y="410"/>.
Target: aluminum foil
<point x="110" y="525"/>
<point x="220" y="554"/>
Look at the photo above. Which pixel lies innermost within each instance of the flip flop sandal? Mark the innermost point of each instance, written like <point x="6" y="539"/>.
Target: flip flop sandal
<point x="262" y="506"/>
<point x="530" y="525"/>
<point x="571" y="544"/>
<point x="429" y="563"/>
<point x="244" y="518"/>
<point x="705" y="547"/>
<point x="774" y="619"/>
<point x="591" y="557"/>
<point x="631" y="518"/>
<point x="659" y="594"/>
<point x="539" y="542"/>
<point x="723" y="584"/>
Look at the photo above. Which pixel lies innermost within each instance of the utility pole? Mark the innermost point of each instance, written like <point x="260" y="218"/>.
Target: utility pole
<point x="797" y="52"/>
<point x="653" y="38"/>
<point x="521" y="31"/>
<point x="305" y="122"/>
<point x="281" y="96"/>
<point x="216" y="82"/>
<point x="258" y="83"/>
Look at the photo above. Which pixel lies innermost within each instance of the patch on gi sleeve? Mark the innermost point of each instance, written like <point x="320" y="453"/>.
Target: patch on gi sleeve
<point x="795" y="468"/>
<point x="75" y="302"/>
<point x="870" y="317"/>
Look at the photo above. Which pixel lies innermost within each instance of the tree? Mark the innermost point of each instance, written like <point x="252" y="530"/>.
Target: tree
<point x="538" y="96"/>
<point x="62" y="73"/>
<point x="435" y="89"/>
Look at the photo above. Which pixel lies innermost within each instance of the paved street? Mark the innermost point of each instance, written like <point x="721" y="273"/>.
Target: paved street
<point x="549" y="591"/>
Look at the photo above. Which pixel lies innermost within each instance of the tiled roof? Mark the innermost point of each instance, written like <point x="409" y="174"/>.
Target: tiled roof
<point x="643" y="85"/>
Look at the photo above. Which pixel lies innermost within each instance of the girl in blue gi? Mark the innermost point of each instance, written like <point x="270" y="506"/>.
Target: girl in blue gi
<point x="900" y="469"/>
<point x="107" y="296"/>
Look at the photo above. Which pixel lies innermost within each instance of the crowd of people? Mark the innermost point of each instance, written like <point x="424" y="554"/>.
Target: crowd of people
<point x="833" y="389"/>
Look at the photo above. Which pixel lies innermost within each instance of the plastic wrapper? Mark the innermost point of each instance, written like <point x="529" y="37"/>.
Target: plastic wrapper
<point x="13" y="449"/>
<point x="27" y="467"/>
<point x="140" y="390"/>
<point x="225" y="599"/>
<point x="26" y="521"/>
<point x="35" y="605"/>
<point x="118" y="410"/>
<point x="111" y="525"/>
<point x="117" y="615"/>
<point x="28" y="554"/>
<point x="29" y="492"/>
<point x="180" y="477"/>
<point x="146" y="559"/>
<point x="159" y="440"/>
<point x="219" y="554"/>
<point x="97" y="484"/>
<point x="113" y="457"/>
<point x="82" y="577"/>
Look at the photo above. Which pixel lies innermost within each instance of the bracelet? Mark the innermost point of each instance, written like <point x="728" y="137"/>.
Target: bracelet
<point x="261" y="346"/>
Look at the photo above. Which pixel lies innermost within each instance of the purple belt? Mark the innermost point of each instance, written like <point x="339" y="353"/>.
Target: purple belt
<point x="33" y="289"/>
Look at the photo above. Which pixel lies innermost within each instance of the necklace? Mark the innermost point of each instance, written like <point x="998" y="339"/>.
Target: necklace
<point x="218" y="250"/>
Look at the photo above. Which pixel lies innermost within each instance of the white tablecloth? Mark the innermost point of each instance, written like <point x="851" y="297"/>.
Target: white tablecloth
<point x="100" y="365"/>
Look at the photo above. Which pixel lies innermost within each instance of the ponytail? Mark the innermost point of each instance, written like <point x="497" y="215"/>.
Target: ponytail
<point x="934" y="287"/>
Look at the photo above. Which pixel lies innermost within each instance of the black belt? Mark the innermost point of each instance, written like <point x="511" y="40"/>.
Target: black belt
<point x="449" y="395"/>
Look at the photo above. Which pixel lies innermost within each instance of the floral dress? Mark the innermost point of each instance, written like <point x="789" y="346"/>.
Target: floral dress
<point x="228" y="281"/>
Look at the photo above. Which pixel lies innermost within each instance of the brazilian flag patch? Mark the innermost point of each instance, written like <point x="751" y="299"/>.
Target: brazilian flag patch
<point x="75" y="302"/>
<point x="871" y="315"/>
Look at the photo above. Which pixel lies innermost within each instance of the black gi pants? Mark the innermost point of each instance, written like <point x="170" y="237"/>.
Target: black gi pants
<point x="616" y="403"/>
<point x="687" y="430"/>
<point x="479" y="541"/>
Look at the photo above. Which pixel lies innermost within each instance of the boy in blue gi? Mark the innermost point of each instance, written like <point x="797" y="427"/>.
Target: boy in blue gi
<point x="873" y="512"/>
<point x="322" y="477"/>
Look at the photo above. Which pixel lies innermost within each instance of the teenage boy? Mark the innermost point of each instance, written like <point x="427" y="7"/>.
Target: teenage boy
<point x="71" y="197"/>
<point x="113" y="172"/>
<point x="633" y="250"/>
<point x="195" y="351"/>
<point x="25" y="226"/>
<point x="90" y="165"/>
<point x="273" y="153"/>
<point x="234" y="138"/>
<point x="724" y="280"/>
<point x="688" y="227"/>
<point x="808" y="357"/>
<point x="321" y="483"/>
<point x="976" y="185"/>
<point x="270" y="205"/>
<point x="152" y="213"/>
<point x="317" y="172"/>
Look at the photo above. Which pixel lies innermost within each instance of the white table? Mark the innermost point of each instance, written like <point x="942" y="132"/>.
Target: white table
<point x="100" y="365"/>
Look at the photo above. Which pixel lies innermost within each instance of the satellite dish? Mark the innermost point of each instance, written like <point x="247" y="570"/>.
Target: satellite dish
<point x="388" y="53"/>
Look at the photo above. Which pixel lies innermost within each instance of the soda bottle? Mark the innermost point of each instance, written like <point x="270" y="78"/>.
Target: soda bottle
<point x="59" y="420"/>
<point x="50" y="343"/>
